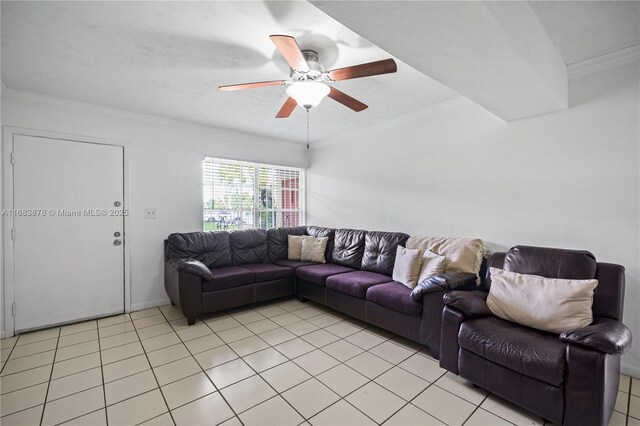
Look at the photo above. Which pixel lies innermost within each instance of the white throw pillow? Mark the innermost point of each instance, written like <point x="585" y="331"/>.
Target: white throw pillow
<point x="548" y="304"/>
<point x="313" y="249"/>
<point x="407" y="266"/>
<point x="432" y="264"/>
<point x="294" y="243"/>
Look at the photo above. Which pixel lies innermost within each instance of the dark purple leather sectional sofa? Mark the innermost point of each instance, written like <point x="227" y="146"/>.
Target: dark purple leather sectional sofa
<point x="211" y="271"/>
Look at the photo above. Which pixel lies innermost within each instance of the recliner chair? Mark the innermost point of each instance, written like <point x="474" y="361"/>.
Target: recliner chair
<point x="569" y="379"/>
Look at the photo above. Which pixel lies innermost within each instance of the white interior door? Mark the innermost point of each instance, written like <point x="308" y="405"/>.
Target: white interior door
<point x="68" y="222"/>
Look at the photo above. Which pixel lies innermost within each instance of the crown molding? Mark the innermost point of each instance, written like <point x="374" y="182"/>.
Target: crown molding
<point x="605" y="61"/>
<point x="43" y="101"/>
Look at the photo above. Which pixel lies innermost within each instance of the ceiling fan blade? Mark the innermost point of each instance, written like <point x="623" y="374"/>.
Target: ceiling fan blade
<point x="346" y="100"/>
<point x="287" y="108"/>
<point x="364" y="70"/>
<point x="257" y="84"/>
<point x="289" y="49"/>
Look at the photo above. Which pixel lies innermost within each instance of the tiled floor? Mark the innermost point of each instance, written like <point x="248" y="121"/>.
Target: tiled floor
<point x="275" y="364"/>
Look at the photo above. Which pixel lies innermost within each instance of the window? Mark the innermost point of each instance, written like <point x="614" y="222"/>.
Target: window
<point x="242" y="195"/>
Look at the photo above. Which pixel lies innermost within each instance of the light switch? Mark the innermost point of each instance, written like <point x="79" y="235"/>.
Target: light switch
<point x="150" y="213"/>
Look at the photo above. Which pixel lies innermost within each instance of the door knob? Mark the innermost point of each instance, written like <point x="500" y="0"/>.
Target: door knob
<point x="117" y="242"/>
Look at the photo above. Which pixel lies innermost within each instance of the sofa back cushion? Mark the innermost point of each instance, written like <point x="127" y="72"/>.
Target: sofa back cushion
<point x="320" y="232"/>
<point x="249" y="246"/>
<point x="380" y="251"/>
<point x="551" y="262"/>
<point x="211" y="248"/>
<point x="462" y="254"/>
<point x="277" y="241"/>
<point x="348" y="248"/>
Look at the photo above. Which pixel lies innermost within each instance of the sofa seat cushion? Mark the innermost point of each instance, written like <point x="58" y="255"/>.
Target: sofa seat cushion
<point x="355" y="283"/>
<point x="294" y="264"/>
<point x="318" y="274"/>
<point x="395" y="296"/>
<point x="267" y="271"/>
<point x="530" y="352"/>
<point x="228" y="277"/>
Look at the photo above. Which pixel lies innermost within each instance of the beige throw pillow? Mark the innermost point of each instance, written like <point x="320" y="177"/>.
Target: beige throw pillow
<point x="295" y="246"/>
<point x="313" y="249"/>
<point x="432" y="264"/>
<point x="407" y="266"/>
<point x="548" y="304"/>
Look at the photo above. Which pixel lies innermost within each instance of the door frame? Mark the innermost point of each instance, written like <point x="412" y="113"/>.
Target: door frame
<point x="7" y="290"/>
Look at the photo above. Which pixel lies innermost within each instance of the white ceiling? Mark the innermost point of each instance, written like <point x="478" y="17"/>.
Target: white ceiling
<point x="167" y="58"/>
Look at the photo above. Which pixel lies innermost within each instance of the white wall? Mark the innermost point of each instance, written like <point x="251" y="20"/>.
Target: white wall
<point x="570" y="179"/>
<point x="165" y="170"/>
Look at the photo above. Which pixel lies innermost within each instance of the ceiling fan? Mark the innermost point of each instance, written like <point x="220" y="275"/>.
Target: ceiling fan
<point x="308" y="82"/>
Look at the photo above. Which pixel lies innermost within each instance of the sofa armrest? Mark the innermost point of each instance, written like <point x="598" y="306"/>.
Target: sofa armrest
<point x="442" y="282"/>
<point x="608" y="336"/>
<point x="472" y="304"/>
<point x="191" y="266"/>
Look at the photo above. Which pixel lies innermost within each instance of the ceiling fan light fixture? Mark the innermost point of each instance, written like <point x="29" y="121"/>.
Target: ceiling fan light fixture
<point x="308" y="94"/>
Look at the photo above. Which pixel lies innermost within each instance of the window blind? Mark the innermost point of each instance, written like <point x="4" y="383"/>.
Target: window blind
<point x="243" y="195"/>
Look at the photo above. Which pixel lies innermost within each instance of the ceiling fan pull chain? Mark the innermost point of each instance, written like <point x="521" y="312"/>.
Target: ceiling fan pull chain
<point x="307" y="128"/>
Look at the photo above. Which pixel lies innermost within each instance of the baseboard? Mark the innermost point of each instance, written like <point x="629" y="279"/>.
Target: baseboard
<point x="2" y="334"/>
<point x="630" y="370"/>
<point x="150" y="304"/>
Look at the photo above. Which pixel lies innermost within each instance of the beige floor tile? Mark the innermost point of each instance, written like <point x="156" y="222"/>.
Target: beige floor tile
<point x="168" y="354"/>
<point x="234" y="334"/>
<point x="97" y="418"/>
<point x="316" y="362"/>
<point x="285" y="319"/>
<point x="124" y="368"/>
<point x="121" y="352"/>
<point x="634" y="406"/>
<point x="265" y="359"/>
<point x="324" y="320"/>
<point x="622" y="402"/>
<point x="222" y="324"/>
<point x="161" y="420"/>
<point x="78" y="327"/>
<point x="149" y="321"/>
<point x="210" y="410"/>
<point x="75" y="351"/>
<point x="248" y="317"/>
<point x="402" y="383"/>
<point x="293" y="305"/>
<point x="22" y="399"/>
<point x="182" y="323"/>
<point x="343" y="329"/>
<point x="270" y="311"/>
<point x="277" y="336"/>
<point x="294" y="348"/>
<point x="78" y="382"/>
<point x="248" y="346"/>
<point x="173" y="315"/>
<point x="410" y="415"/>
<point x="274" y="411"/>
<point x="4" y="354"/>
<point x="407" y="344"/>
<point x="509" y="411"/>
<point x="28" y="417"/>
<point x="8" y="343"/>
<point x="365" y="339"/>
<point x="74" y="339"/>
<point x="137" y="409"/>
<point x="619" y="419"/>
<point x="310" y="397"/>
<point x="308" y="312"/>
<point x="342" y="379"/>
<point x="389" y="351"/>
<point x="25" y="379"/>
<point x="342" y="350"/>
<point x="285" y="376"/>
<point x="160" y="342"/>
<point x="341" y="414"/>
<point x="144" y="313"/>
<point x="187" y="390"/>
<point x="625" y="383"/>
<point x="118" y="328"/>
<point x="320" y="338"/>
<point x="176" y="370"/>
<point x="424" y="367"/>
<point x="462" y="388"/>
<point x="34" y="348"/>
<point x="28" y="362"/>
<point x="376" y="401"/>
<point x="204" y="343"/>
<point x="73" y="406"/>
<point x="193" y="332"/>
<point x="301" y="328"/>
<point x="118" y="340"/>
<point x="116" y="319"/>
<point x="262" y="326"/>
<point x="37" y="336"/>
<point x="233" y="421"/>
<point x="154" y="330"/>
<point x="230" y="373"/>
<point x="215" y="356"/>
<point x="75" y="365"/>
<point x="129" y="386"/>
<point x="369" y="365"/>
<point x="444" y="406"/>
<point x="484" y="418"/>
<point x="247" y="393"/>
<point x="635" y="387"/>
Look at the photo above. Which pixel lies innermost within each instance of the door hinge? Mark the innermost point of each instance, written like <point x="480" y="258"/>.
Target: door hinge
<point x="12" y="158"/>
<point x="13" y="309"/>
<point x="13" y="233"/>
